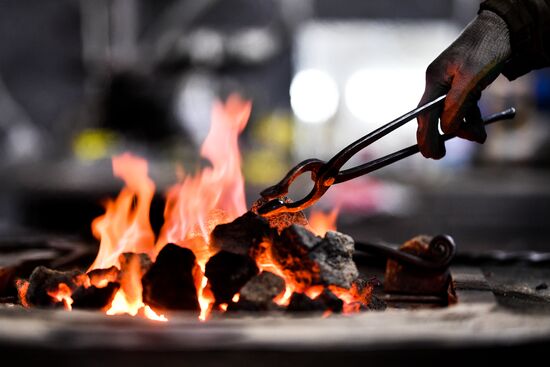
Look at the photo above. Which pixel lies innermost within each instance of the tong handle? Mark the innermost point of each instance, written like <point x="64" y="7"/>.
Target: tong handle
<point x="363" y="169"/>
<point x="332" y="167"/>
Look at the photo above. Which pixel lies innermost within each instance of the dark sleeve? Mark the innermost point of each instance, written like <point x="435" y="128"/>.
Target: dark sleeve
<point x="529" y="25"/>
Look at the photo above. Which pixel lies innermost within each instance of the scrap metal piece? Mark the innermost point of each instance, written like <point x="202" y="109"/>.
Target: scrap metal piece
<point x="409" y="278"/>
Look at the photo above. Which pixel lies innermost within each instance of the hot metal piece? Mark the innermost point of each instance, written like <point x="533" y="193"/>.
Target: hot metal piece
<point x="327" y="174"/>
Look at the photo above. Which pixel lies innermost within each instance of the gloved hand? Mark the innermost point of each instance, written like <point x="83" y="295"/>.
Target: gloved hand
<point x="462" y="71"/>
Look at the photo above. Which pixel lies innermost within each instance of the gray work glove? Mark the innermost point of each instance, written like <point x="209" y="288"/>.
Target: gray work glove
<point x="462" y="71"/>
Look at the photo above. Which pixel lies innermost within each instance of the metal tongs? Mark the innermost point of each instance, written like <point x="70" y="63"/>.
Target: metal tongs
<point x="326" y="174"/>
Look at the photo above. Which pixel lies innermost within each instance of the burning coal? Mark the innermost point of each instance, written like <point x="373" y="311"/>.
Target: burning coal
<point x="211" y="254"/>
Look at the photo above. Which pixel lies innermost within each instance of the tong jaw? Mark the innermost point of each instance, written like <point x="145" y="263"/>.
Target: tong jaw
<point x="275" y="193"/>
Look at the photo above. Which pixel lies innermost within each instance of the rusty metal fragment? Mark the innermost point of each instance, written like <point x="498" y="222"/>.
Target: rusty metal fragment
<point x="409" y="279"/>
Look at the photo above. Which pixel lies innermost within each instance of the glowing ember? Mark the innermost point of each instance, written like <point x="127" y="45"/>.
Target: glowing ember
<point x="22" y="289"/>
<point x="353" y="298"/>
<point x="63" y="294"/>
<point x="315" y="291"/>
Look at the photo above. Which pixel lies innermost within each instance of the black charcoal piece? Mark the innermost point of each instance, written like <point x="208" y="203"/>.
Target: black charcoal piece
<point x="44" y="280"/>
<point x="333" y="256"/>
<point x="303" y="239"/>
<point x="331" y="301"/>
<point x="262" y="288"/>
<point x="245" y="306"/>
<point x="376" y="304"/>
<point x="291" y="251"/>
<point x="311" y="260"/>
<point x="227" y="272"/>
<point x="282" y="220"/>
<point x="242" y="235"/>
<point x="169" y="282"/>
<point x="94" y="298"/>
<point x="300" y="302"/>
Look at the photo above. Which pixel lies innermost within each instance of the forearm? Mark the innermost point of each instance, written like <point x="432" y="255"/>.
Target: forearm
<point x="529" y="25"/>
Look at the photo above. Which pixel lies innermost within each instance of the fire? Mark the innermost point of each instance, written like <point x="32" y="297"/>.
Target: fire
<point x="214" y="196"/>
<point x="125" y="226"/>
<point x="128" y="299"/>
<point x="320" y="223"/>
<point x="150" y="314"/>
<point x="121" y="305"/>
<point x="206" y="299"/>
<point x="194" y="207"/>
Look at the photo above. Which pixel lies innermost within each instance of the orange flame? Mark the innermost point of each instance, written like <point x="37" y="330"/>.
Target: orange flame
<point x="265" y="262"/>
<point x="193" y="208"/>
<point x="128" y="298"/>
<point x="320" y="222"/>
<point x="125" y="226"/>
<point x="150" y="314"/>
<point x="214" y="196"/>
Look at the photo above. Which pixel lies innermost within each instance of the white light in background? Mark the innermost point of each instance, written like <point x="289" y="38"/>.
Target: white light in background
<point x="378" y="95"/>
<point x="193" y="104"/>
<point x="314" y="96"/>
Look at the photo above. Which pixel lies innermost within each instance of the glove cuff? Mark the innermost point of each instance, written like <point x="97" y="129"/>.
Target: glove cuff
<point x="526" y="55"/>
<point x="489" y="37"/>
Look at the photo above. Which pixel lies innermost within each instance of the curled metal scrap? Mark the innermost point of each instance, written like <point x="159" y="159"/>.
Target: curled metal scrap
<point x="441" y="251"/>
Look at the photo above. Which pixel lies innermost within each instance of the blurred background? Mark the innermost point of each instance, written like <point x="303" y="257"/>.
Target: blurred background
<point x="83" y="80"/>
